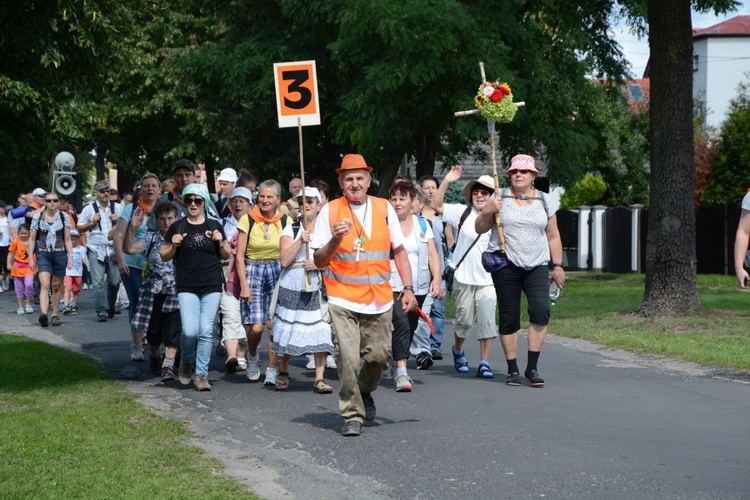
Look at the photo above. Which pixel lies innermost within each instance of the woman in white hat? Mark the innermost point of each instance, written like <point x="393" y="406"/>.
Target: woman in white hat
<point x="531" y="239"/>
<point x="475" y="295"/>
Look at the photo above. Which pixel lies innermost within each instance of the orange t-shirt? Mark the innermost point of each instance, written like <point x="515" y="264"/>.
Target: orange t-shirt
<point x="20" y="259"/>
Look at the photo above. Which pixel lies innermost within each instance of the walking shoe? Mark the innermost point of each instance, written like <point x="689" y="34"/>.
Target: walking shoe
<point x="534" y="379"/>
<point x="185" y="372"/>
<point x="125" y="305"/>
<point x="101" y="317"/>
<point x="61" y="307"/>
<point x="66" y="310"/>
<point x="330" y="363"/>
<point x="270" y="376"/>
<point x="167" y="374"/>
<point x="370" y="411"/>
<point x="231" y="364"/>
<point x="20" y="311"/>
<point x="403" y="383"/>
<point x="155" y="364"/>
<point x="221" y="351"/>
<point x="56" y="320"/>
<point x="117" y="309"/>
<point x="424" y="361"/>
<point x="241" y="365"/>
<point x="437" y="355"/>
<point x="201" y="383"/>
<point x="310" y="362"/>
<point x="459" y="361"/>
<point x="43" y="320"/>
<point x="6" y="285"/>
<point x="351" y="428"/>
<point x="513" y="379"/>
<point x="74" y="310"/>
<point x="29" y="309"/>
<point x="136" y="353"/>
<point x="253" y="370"/>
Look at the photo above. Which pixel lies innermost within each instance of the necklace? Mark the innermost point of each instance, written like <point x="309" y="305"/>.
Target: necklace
<point x="359" y="241"/>
<point x="266" y="228"/>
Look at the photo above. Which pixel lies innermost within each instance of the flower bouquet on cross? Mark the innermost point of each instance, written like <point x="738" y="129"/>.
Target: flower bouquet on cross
<point x="495" y="102"/>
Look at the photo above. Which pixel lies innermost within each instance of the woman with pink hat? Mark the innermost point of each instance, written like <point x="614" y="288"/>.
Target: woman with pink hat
<point x="531" y="237"/>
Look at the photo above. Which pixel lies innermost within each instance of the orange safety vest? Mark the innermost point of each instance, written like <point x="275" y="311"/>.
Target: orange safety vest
<point x="365" y="281"/>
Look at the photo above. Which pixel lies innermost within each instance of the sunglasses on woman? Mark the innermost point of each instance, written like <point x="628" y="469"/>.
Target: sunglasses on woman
<point x="197" y="201"/>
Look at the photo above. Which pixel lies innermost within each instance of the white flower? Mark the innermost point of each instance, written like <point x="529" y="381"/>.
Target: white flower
<point x="488" y="90"/>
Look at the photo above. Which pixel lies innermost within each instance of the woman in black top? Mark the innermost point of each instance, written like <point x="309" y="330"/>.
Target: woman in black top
<point x="198" y="245"/>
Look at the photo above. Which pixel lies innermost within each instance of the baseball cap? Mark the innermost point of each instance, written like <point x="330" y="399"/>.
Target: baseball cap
<point x="39" y="192"/>
<point x="184" y="164"/>
<point x="310" y="192"/>
<point x="227" y="175"/>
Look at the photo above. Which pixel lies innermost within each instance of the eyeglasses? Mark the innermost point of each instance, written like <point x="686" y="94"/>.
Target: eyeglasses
<point x="51" y="200"/>
<point x="482" y="192"/>
<point x="194" y="201"/>
<point x="103" y="191"/>
<point x="514" y="172"/>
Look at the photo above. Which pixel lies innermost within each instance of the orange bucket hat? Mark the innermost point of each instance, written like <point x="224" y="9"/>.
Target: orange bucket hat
<point x="353" y="162"/>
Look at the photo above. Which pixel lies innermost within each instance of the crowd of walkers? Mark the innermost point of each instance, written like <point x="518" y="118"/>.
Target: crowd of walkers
<point x="356" y="283"/>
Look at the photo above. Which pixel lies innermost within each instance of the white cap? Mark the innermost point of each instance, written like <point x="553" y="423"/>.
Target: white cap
<point x="39" y="192"/>
<point x="310" y="192"/>
<point x="242" y="192"/>
<point x="74" y="232"/>
<point x="227" y="175"/>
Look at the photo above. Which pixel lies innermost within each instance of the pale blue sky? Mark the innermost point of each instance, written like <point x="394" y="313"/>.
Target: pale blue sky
<point x="636" y="51"/>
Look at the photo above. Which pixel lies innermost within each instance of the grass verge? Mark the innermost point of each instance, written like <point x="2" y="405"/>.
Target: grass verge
<point x="601" y="308"/>
<point x="69" y="432"/>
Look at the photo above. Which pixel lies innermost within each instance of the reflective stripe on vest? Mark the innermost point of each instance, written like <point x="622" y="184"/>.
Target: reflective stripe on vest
<point x="365" y="281"/>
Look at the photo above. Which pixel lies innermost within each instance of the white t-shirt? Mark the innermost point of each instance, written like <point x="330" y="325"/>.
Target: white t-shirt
<point x="746" y="202"/>
<point x="411" y="245"/>
<point x="470" y="272"/>
<point x="289" y="232"/>
<point x="79" y="258"/>
<point x="322" y="235"/>
<point x="4" y="232"/>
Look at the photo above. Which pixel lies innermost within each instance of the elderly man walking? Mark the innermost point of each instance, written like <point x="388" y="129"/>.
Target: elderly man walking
<point x="354" y="236"/>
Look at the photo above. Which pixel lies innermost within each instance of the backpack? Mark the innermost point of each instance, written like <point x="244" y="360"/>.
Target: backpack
<point x="506" y="194"/>
<point x="284" y="221"/>
<point x="96" y="211"/>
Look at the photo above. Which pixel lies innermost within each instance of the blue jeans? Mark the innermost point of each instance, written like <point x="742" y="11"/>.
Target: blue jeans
<point x="105" y="281"/>
<point x="197" y="313"/>
<point x="437" y="315"/>
<point x="132" y="285"/>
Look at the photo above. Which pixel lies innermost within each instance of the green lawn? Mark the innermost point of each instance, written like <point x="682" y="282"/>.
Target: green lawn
<point x="66" y="431"/>
<point x="601" y="307"/>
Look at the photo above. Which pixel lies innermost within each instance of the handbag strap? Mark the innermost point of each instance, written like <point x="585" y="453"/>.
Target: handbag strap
<point x="468" y="250"/>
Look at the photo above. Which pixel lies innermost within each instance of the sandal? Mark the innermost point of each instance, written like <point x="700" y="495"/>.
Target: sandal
<point x="459" y="361"/>
<point x="322" y="387"/>
<point x="282" y="381"/>
<point x="56" y="320"/>
<point x="484" y="370"/>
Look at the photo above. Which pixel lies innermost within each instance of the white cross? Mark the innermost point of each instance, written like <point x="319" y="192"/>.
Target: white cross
<point x="358" y="247"/>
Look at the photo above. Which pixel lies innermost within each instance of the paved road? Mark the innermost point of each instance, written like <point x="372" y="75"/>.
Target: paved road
<point x="607" y="425"/>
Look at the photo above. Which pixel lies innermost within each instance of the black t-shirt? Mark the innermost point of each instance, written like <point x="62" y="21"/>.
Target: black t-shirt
<point x="197" y="261"/>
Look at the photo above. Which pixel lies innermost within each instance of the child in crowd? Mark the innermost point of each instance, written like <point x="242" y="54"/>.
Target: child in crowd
<point x="23" y="276"/>
<point x="74" y="275"/>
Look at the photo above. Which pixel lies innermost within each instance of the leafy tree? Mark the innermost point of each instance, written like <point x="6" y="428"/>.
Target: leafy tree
<point x="730" y="177"/>
<point x="588" y="191"/>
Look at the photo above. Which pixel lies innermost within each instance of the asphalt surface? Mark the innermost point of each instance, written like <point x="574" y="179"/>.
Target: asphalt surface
<point x="608" y="424"/>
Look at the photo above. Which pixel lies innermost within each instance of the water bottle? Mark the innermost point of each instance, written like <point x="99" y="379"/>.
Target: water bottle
<point x="554" y="292"/>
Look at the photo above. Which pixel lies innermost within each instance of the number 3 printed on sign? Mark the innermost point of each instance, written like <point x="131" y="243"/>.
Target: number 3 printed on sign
<point x="297" y="78"/>
<point x="296" y="93"/>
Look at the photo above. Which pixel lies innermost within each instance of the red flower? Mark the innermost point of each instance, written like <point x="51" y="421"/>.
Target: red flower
<point x="496" y="96"/>
<point x="505" y="90"/>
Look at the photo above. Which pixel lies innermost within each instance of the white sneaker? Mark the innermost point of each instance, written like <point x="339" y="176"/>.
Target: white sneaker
<point x="136" y="352"/>
<point x="330" y="363"/>
<point x="270" y="376"/>
<point x="20" y="311"/>
<point x="241" y="365"/>
<point x="253" y="371"/>
<point x="6" y="284"/>
<point x="29" y="309"/>
<point x="310" y="362"/>
<point x="403" y="383"/>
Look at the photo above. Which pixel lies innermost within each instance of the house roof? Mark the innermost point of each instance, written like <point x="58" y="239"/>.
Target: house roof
<point x="638" y="93"/>
<point x="737" y="26"/>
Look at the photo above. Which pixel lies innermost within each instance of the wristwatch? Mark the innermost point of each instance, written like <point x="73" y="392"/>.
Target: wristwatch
<point x="409" y="287"/>
<point x="558" y="264"/>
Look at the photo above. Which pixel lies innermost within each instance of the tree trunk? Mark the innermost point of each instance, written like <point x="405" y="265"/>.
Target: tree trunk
<point x="670" y="250"/>
<point x="101" y="153"/>
<point x="427" y="147"/>
<point x="388" y="172"/>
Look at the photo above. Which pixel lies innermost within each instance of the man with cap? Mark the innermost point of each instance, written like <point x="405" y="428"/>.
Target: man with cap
<point x="98" y="219"/>
<point x="353" y="239"/>
<point x="185" y="173"/>
<point x="226" y="180"/>
<point x="35" y="203"/>
<point x="474" y="292"/>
